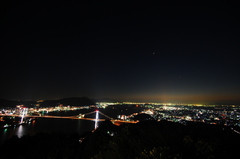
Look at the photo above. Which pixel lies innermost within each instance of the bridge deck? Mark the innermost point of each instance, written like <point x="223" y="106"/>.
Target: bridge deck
<point x="69" y="117"/>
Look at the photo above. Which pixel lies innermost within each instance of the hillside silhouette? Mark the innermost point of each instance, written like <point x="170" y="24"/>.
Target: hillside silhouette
<point x="72" y="101"/>
<point x="148" y="139"/>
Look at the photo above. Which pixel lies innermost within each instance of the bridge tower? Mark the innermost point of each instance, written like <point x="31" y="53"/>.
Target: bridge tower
<point x="24" y="113"/>
<point x="96" y="119"/>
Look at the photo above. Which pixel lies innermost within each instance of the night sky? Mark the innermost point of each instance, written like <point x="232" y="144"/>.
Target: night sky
<point x="170" y="51"/>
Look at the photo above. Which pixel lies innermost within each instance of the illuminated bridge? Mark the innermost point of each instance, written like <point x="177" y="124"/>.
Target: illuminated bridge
<point x="78" y="117"/>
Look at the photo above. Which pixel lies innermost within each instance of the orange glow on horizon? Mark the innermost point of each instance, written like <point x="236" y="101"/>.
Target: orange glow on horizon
<point x="201" y="98"/>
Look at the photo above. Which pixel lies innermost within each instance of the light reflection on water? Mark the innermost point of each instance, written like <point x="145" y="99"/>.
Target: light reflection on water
<point x="47" y="125"/>
<point x="20" y="131"/>
<point x="78" y="125"/>
<point x="4" y="134"/>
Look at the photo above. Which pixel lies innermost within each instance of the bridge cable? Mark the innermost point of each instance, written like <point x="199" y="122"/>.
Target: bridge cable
<point x="105" y="115"/>
<point x="89" y="113"/>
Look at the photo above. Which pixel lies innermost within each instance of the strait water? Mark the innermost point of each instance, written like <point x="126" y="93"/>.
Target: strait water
<point x="65" y="125"/>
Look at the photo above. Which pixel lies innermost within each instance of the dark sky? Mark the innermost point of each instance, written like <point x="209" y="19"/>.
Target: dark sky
<point x="170" y="51"/>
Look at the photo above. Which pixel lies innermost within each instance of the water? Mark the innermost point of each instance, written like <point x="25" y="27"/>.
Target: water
<point x="48" y="125"/>
<point x="65" y="125"/>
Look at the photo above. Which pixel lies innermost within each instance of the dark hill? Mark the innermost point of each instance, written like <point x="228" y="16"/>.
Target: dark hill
<point x="164" y="139"/>
<point x="8" y="103"/>
<point x="76" y="101"/>
<point x="12" y="103"/>
<point x="144" y="140"/>
<point x="109" y="100"/>
<point x="73" y="101"/>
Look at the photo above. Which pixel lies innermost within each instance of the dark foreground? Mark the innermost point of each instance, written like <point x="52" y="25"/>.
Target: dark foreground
<point x="147" y="139"/>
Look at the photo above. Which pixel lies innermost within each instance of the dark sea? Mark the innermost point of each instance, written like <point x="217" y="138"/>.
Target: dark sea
<point x="67" y="126"/>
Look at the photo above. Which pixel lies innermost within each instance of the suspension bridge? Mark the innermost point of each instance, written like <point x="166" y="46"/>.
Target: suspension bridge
<point x="24" y="114"/>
